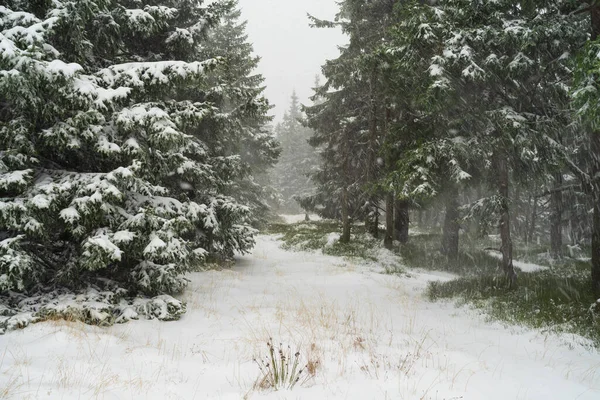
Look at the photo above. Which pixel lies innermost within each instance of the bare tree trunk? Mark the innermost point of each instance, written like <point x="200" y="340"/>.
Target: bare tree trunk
<point x="372" y="221"/>
<point x="525" y="231"/>
<point x="595" y="171"/>
<point x="556" y="200"/>
<point x="531" y="230"/>
<point x="388" y="241"/>
<point x="507" y="246"/>
<point x="401" y="220"/>
<point x="345" y="217"/>
<point x="451" y="225"/>
<point x="596" y="246"/>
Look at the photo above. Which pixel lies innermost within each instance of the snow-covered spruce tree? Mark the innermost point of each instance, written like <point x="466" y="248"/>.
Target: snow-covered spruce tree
<point x="502" y="68"/>
<point x="298" y="158"/>
<point x="110" y="163"/>
<point x="428" y="144"/>
<point x="353" y="113"/>
<point x="243" y="119"/>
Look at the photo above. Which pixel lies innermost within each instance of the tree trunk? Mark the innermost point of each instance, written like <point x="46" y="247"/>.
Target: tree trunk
<point x="596" y="247"/>
<point x="556" y="200"/>
<point x="451" y="226"/>
<point x="531" y="231"/>
<point x="372" y="220"/>
<point x="401" y="220"/>
<point x="525" y="232"/>
<point x="595" y="171"/>
<point x="507" y="246"/>
<point x="373" y="213"/>
<point x="345" y="217"/>
<point x="388" y="241"/>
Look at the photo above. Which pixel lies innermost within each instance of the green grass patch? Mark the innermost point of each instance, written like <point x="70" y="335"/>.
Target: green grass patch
<point x="542" y="300"/>
<point x="557" y="299"/>
<point x="423" y="251"/>
<point x="321" y="235"/>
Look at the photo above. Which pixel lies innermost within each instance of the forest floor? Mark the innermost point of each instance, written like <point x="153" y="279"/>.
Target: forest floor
<point x="363" y="332"/>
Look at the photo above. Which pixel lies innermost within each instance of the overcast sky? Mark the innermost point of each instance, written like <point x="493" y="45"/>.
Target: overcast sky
<point x="292" y="52"/>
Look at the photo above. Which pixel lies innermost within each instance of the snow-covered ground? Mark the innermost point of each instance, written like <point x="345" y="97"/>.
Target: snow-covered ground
<point x="374" y="336"/>
<point x="294" y="218"/>
<point x="523" y="266"/>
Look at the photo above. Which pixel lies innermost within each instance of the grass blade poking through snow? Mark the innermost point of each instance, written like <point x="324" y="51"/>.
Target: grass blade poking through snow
<point x="275" y="371"/>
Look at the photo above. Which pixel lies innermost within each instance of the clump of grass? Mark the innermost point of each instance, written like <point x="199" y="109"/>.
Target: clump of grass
<point x="314" y="235"/>
<point x="305" y="235"/>
<point x="542" y="300"/>
<point x="423" y="251"/>
<point x="281" y="369"/>
<point x="557" y="299"/>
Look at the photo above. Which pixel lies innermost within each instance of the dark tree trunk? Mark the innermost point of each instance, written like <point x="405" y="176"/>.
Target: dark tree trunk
<point x="372" y="222"/>
<point x="531" y="229"/>
<point x="556" y="199"/>
<point x="451" y="225"/>
<point x="595" y="171"/>
<point x="514" y="217"/>
<point x="345" y="217"/>
<point x="507" y="246"/>
<point x="596" y="248"/>
<point x="388" y="241"/>
<point x="401" y="220"/>
<point x="525" y="231"/>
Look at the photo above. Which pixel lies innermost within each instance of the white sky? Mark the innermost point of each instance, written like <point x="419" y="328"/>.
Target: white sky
<point x="292" y="52"/>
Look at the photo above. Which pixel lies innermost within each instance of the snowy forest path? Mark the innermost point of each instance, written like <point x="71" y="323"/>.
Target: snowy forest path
<point x="368" y="335"/>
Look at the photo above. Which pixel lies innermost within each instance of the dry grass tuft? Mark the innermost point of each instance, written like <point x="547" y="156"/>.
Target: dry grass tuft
<point x="282" y="369"/>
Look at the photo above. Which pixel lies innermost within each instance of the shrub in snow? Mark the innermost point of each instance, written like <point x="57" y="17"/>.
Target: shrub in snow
<point x="116" y="160"/>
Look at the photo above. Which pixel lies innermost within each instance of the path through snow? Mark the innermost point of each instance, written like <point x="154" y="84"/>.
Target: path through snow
<point x="375" y="337"/>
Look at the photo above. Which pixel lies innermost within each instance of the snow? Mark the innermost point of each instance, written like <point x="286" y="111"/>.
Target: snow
<point x="103" y="242"/>
<point x="523" y="266"/>
<point x="123" y="237"/>
<point x="14" y="178"/>
<point x="155" y="244"/>
<point x="375" y="336"/>
<point x="332" y="238"/>
<point x="58" y="67"/>
<point x="136" y="74"/>
<point x="70" y="215"/>
<point x="40" y="201"/>
<point x="436" y="70"/>
<point x="294" y="218"/>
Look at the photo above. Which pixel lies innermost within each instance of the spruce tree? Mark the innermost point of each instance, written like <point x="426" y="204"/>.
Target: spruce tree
<point x="244" y="119"/>
<point x="111" y="159"/>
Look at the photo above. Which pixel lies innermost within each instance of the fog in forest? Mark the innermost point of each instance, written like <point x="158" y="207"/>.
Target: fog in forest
<point x="292" y="52"/>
